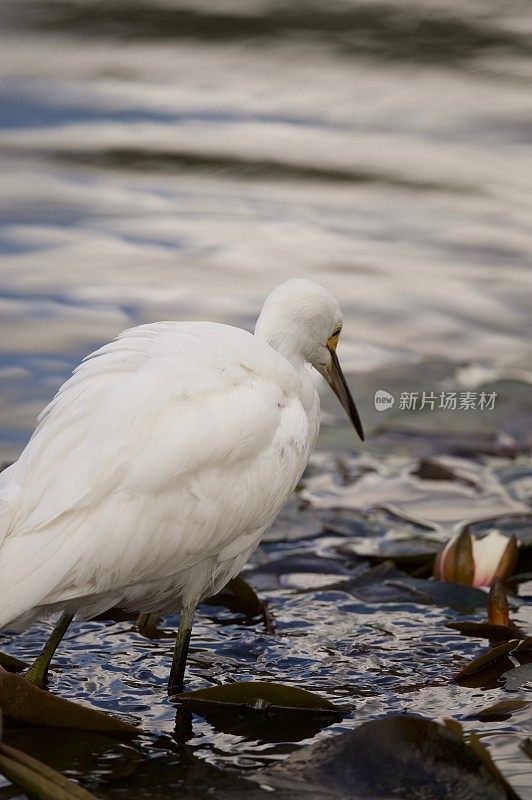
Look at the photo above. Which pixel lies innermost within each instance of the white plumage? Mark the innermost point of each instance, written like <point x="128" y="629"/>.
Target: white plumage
<point x="160" y="463"/>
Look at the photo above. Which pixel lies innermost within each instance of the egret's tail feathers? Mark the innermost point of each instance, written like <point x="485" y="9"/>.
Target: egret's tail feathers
<point x="30" y="569"/>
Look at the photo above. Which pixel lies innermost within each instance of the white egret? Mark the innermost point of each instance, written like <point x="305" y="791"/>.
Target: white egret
<point x="160" y="464"/>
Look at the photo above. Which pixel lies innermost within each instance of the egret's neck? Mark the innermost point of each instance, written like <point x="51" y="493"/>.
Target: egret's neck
<point x="282" y="341"/>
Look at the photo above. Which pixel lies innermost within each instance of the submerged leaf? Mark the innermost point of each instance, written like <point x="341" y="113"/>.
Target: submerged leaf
<point x="398" y="756"/>
<point x="21" y="700"/>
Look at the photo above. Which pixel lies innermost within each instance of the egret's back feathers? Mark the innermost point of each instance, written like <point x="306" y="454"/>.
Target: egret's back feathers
<point x="157" y="466"/>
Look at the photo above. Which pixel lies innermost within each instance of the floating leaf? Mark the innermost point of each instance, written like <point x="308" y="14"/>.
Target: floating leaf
<point x="433" y="470"/>
<point x="387" y="584"/>
<point x="304" y="571"/>
<point x="486" y="669"/>
<point x="499" y="711"/>
<point x="11" y="663"/>
<point x="422" y="759"/>
<point x="484" y="630"/>
<point x="21" y="700"/>
<point x="407" y="554"/>
<point x="383" y="534"/>
<point x="258" y="696"/>
<point x="37" y="778"/>
<point x="481" y="662"/>
<point x="263" y="711"/>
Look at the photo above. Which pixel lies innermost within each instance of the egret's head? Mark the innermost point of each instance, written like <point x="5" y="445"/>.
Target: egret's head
<point x="303" y="322"/>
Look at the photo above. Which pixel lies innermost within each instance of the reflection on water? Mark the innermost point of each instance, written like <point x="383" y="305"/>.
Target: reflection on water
<point x="172" y="159"/>
<point x="175" y="160"/>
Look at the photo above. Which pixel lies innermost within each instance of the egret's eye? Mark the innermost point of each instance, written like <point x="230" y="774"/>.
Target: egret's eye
<point x="332" y="341"/>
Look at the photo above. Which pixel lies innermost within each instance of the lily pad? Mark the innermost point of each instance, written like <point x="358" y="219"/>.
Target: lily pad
<point x="485" y="630"/>
<point x="422" y="759"/>
<point x="258" y="696"/>
<point x="37" y="779"/>
<point x="11" y="663"/>
<point x="21" y="700"/>
<point x="262" y="711"/>
<point x="486" y="669"/>
<point x="381" y="535"/>
<point x="481" y="662"/>
<point x="387" y="584"/>
<point x="407" y="553"/>
<point x="499" y="712"/>
<point x="430" y="469"/>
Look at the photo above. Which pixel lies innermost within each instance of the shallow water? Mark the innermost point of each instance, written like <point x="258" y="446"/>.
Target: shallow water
<point x="165" y="160"/>
<point x="371" y="652"/>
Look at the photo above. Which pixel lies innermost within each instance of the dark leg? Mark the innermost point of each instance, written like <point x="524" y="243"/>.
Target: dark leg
<point x="38" y="671"/>
<point x="179" y="661"/>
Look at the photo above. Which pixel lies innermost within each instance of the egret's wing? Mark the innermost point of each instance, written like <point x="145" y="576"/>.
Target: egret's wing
<point x="160" y="399"/>
<point x="145" y="436"/>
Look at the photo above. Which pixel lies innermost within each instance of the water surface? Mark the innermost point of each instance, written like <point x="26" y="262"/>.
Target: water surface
<point x="177" y="160"/>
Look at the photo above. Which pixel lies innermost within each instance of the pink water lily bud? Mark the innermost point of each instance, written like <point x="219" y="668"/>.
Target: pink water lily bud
<point x="476" y="562"/>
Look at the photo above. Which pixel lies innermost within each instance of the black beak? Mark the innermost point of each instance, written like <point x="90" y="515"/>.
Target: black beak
<point x="336" y="380"/>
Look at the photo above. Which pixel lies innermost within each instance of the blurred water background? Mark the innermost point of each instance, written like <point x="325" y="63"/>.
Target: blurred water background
<point x="176" y="160"/>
